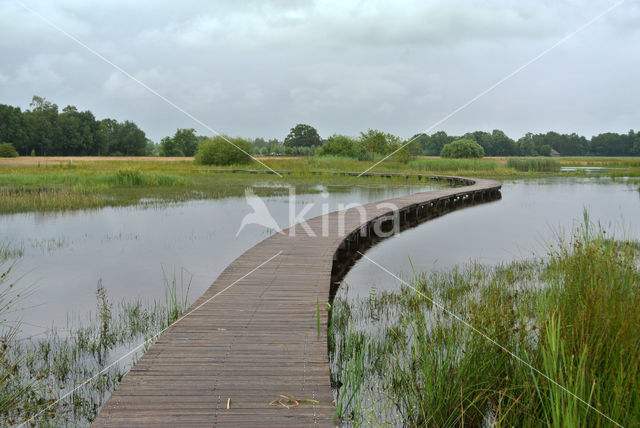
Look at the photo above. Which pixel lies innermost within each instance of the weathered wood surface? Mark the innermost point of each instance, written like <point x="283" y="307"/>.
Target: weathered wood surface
<point x="259" y="338"/>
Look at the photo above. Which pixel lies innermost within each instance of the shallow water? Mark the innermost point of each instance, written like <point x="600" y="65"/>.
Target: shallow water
<point x="524" y="222"/>
<point x="128" y="248"/>
<point x="65" y="254"/>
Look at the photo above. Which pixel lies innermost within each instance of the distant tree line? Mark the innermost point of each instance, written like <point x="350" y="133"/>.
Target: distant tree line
<point x="45" y="131"/>
<point x="374" y="143"/>
<point x="497" y="143"/>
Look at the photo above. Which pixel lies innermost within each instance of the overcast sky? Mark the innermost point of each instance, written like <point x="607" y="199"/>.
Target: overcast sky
<point x="256" y="68"/>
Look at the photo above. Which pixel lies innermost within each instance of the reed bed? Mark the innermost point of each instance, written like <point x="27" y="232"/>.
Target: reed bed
<point x="433" y="353"/>
<point x="537" y="164"/>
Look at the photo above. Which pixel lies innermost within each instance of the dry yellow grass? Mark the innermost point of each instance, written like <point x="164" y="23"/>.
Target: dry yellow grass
<point x="56" y="160"/>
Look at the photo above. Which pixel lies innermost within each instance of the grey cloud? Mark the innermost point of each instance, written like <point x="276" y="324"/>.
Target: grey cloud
<point x="257" y="68"/>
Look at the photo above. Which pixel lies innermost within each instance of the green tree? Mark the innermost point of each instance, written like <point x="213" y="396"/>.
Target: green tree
<point x="129" y="140"/>
<point x="568" y="145"/>
<point x="607" y="144"/>
<point x="378" y="142"/>
<point x="463" y="148"/>
<point x="13" y="128"/>
<point x="437" y="141"/>
<point x="8" y="151"/>
<point x="259" y="143"/>
<point x="151" y="149"/>
<point x="222" y="150"/>
<point x="273" y="147"/>
<point x="423" y="140"/>
<point x="526" y="146"/>
<point x="186" y="141"/>
<point x="41" y="121"/>
<point x="502" y="144"/>
<point x="341" y="145"/>
<point x="169" y="147"/>
<point x="635" y="143"/>
<point x="302" y="136"/>
<point x="484" y="139"/>
<point x="74" y="133"/>
<point x="106" y="137"/>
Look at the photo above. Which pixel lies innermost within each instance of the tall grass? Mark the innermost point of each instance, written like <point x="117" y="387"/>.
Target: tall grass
<point x="537" y="164"/>
<point x="573" y="317"/>
<point x="176" y="294"/>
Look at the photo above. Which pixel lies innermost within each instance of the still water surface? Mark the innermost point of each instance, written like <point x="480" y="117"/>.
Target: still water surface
<point x="523" y="223"/>
<point x="65" y="254"/>
<point x="128" y="248"/>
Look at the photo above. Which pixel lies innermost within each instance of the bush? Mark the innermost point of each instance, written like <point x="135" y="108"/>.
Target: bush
<point x="343" y="146"/>
<point x="8" y="151"/>
<point x="223" y="150"/>
<point x="462" y="148"/>
<point x="402" y="155"/>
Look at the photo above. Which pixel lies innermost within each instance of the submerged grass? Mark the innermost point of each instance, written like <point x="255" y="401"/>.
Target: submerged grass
<point x="573" y="317"/>
<point x="36" y="372"/>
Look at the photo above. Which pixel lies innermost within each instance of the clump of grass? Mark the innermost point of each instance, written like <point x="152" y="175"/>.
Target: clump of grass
<point x="129" y="177"/>
<point x="36" y="372"/>
<point x="534" y="164"/>
<point x="9" y="251"/>
<point x="47" y="199"/>
<point x="176" y="296"/>
<point x="135" y="177"/>
<point x="569" y="321"/>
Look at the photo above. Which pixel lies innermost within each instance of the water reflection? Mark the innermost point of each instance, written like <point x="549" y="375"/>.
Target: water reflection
<point x="524" y="222"/>
<point x="65" y="254"/>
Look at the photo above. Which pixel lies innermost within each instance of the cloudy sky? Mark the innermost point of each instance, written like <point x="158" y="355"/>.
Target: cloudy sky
<point x="256" y="68"/>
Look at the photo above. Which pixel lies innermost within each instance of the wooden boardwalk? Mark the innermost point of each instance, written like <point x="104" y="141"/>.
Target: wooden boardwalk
<point x="258" y="338"/>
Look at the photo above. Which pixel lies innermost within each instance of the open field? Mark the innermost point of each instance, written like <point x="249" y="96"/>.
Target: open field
<point x="59" y="160"/>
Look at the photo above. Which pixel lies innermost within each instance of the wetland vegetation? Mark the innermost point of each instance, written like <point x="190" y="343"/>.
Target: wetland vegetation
<point x="540" y="342"/>
<point x="67" y="185"/>
<point x="65" y="375"/>
<point x="398" y="356"/>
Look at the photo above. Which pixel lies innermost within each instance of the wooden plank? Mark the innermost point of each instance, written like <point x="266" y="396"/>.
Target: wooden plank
<point x="259" y="338"/>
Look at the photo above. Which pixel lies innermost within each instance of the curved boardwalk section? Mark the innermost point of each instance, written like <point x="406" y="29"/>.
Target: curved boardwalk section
<point x="225" y="362"/>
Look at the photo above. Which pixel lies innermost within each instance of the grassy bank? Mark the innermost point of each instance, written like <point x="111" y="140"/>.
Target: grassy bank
<point x="422" y="355"/>
<point x="56" y="186"/>
<point x="41" y="378"/>
<point x="97" y="184"/>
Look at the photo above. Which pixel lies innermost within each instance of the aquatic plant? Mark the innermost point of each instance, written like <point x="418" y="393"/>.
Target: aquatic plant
<point x="536" y="164"/>
<point x="44" y="379"/>
<point x="550" y="341"/>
